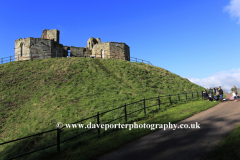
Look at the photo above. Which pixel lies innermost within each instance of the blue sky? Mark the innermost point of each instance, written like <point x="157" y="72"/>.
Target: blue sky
<point x="198" y="40"/>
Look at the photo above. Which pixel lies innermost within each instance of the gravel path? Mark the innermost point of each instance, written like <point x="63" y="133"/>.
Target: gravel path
<point x="184" y="144"/>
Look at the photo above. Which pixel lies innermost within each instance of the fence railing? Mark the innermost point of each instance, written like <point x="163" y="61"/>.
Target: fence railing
<point x="20" y="57"/>
<point x="97" y="116"/>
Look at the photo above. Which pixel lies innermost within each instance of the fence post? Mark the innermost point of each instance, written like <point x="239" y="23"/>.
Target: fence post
<point x="136" y="59"/>
<point x="178" y="97"/>
<point x="159" y="102"/>
<point x="142" y="61"/>
<point x="58" y="139"/>
<point x="31" y="56"/>
<point x="125" y="110"/>
<point x="2" y="61"/>
<point x="144" y="106"/>
<point x="186" y="96"/>
<point x="10" y="58"/>
<point x="192" y="95"/>
<point x="18" y="57"/>
<point x="98" y="122"/>
<point x="170" y="99"/>
<point x="197" y="95"/>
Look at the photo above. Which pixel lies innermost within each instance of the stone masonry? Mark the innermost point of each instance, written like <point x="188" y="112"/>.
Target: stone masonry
<point x="48" y="46"/>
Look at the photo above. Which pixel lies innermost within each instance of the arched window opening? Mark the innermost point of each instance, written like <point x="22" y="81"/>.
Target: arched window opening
<point x="21" y="49"/>
<point x="102" y="54"/>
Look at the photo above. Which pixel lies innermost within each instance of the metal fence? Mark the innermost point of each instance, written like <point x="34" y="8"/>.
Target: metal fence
<point x="97" y="116"/>
<point x="47" y="55"/>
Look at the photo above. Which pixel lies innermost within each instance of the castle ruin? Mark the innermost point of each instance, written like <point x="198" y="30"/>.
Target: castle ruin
<point x="48" y="46"/>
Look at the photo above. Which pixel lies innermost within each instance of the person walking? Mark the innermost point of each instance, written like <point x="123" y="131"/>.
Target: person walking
<point x="220" y="91"/>
<point x="235" y="90"/>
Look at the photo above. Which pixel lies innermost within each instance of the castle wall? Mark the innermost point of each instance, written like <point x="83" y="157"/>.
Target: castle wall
<point x="87" y="52"/>
<point x="57" y="50"/>
<point x="51" y="34"/>
<point x="76" y="51"/>
<point x="41" y="48"/>
<point x="38" y="48"/>
<point x="102" y="46"/>
<point x="22" y="53"/>
<point x="65" y="51"/>
<point x="127" y="52"/>
<point x="119" y="50"/>
<point x="79" y="51"/>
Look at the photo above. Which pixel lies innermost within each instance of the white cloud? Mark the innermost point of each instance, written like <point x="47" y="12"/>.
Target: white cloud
<point x="225" y="79"/>
<point x="234" y="9"/>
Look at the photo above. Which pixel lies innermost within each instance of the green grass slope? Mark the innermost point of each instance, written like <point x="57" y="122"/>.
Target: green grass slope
<point x="35" y="95"/>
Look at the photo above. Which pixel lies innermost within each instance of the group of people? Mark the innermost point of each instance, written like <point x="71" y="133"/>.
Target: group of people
<point x="217" y="94"/>
<point x="214" y="94"/>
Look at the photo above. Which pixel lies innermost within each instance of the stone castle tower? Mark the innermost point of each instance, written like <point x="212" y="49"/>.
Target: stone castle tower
<point x="48" y="46"/>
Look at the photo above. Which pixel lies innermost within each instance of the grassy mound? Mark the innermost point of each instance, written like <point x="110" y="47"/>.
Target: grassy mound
<point x="35" y="95"/>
